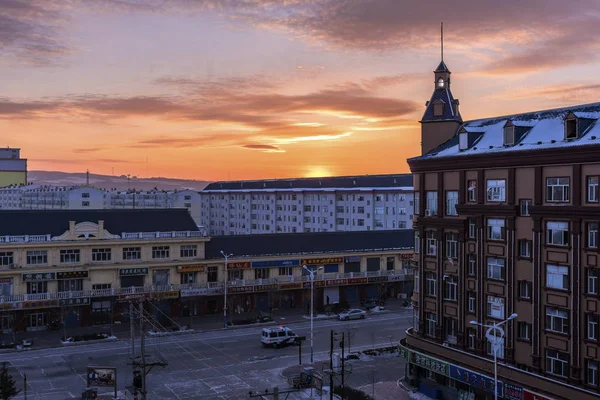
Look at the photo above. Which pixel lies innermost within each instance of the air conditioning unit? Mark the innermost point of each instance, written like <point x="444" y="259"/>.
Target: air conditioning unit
<point x="446" y="344"/>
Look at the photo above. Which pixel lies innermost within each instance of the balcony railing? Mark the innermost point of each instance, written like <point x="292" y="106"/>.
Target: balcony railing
<point x="124" y="235"/>
<point x="213" y="287"/>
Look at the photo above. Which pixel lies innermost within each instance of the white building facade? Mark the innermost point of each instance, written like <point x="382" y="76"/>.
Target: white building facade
<point x="358" y="203"/>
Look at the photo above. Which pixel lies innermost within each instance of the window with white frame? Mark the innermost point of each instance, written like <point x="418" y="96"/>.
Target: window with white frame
<point x="431" y="243"/>
<point x="495" y="228"/>
<point x="286" y="271"/>
<point x="592" y="235"/>
<point x="472" y="335"/>
<point x="472" y="271"/>
<point x="452" y="245"/>
<point x="592" y="372"/>
<point x="592" y="281"/>
<point x="495" y="267"/>
<point x="557" y="233"/>
<point x="557" y="363"/>
<point x="431" y="282"/>
<point x="417" y="204"/>
<point x="496" y="190"/>
<point x="592" y="189"/>
<point x="499" y="350"/>
<point x="432" y="203"/>
<point x="417" y="242"/>
<point x="450" y="288"/>
<point x="472" y="301"/>
<point x="592" y="326"/>
<point x="188" y="250"/>
<point x="557" y="320"/>
<point x="524" y="290"/>
<point x="523" y="330"/>
<point x="472" y="228"/>
<point x="525" y="248"/>
<point x="557" y="277"/>
<point x="495" y="307"/>
<point x="557" y="190"/>
<point x="451" y="203"/>
<point x="524" y="207"/>
<point x="431" y="326"/>
<point x="472" y="191"/>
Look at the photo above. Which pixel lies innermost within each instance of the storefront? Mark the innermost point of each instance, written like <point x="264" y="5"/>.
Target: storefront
<point x="75" y="312"/>
<point x="102" y="311"/>
<point x="132" y="277"/>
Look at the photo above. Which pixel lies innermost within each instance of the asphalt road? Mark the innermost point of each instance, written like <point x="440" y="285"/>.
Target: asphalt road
<point x="210" y="365"/>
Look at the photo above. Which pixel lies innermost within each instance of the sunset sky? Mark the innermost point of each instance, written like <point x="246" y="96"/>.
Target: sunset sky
<point x="244" y="89"/>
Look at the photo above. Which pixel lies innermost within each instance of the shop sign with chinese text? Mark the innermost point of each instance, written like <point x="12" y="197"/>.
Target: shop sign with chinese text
<point x="133" y="271"/>
<point x="430" y="363"/>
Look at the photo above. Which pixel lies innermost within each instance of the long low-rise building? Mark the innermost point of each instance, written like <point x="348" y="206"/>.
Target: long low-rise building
<point x="83" y="267"/>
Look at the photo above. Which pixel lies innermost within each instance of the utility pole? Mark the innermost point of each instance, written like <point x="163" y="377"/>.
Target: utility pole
<point x="25" y="385"/>
<point x="343" y="347"/>
<point x="132" y="329"/>
<point x="331" y="367"/>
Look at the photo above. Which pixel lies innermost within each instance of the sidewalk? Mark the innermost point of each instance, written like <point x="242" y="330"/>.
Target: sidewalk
<point x="206" y="323"/>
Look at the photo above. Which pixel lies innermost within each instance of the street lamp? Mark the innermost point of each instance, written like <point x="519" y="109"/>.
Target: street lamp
<point x="494" y="340"/>
<point x="226" y="256"/>
<point x="312" y="273"/>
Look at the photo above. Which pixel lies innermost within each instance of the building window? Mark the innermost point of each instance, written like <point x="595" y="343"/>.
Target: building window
<point x="451" y="288"/>
<point x="431" y="243"/>
<point x="499" y="350"/>
<point x="285" y="271"/>
<point x="524" y="207"/>
<point x="37" y="287"/>
<point x="557" y="320"/>
<point x="524" y="290"/>
<point x="472" y="271"/>
<point x="261" y="273"/>
<point x="132" y="253"/>
<point x="188" y="278"/>
<point x="235" y="275"/>
<point x="557" y="277"/>
<point x="417" y="206"/>
<point x="509" y="135"/>
<point x="472" y="301"/>
<point x="432" y="204"/>
<point x="390" y="263"/>
<point x="101" y="254"/>
<point x="160" y="251"/>
<point x="188" y="251"/>
<point x="495" y="307"/>
<point x="452" y="245"/>
<point x="496" y="190"/>
<point x="472" y="335"/>
<point x="592" y="372"/>
<point x="431" y="319"/>
<point x="592" y="235"/>
<point x="212" y="274"/>
<point x="85" y="204"/>
<point x="525" y="248"/>
<point x="592" y="326"/>
<point x="523" y="330"/>
<point x="451" y="203"/>
<point x="431" y="284"/>
<point x="69" y="256"/>
<point x="417" y="243"/>
<point x="101" y="286"/>
<point x="35" y="257"/>
<point x="472" y="191"/>
<point x="6" y="258"/>
<point x="472" y="228"/>
<point x="557" y="233"/>
<point x="70" y="285"/>
<point x="592" y="281"/>
<point x="557" y="190"/>
<point x="557" y="363"/>
<point x="495" y="267"/>
<point x="495" y="229"/>
<point x="592" y="189"/>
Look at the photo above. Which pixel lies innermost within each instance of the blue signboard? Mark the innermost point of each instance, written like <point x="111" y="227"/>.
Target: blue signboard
<point x="476" y="380"/>
<point x="275" y="263"/>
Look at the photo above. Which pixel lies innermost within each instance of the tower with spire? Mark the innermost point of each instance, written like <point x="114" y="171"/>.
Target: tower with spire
<point x="442" y="117"/>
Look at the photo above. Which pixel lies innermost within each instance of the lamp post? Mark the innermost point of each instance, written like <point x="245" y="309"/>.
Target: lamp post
<point x="494" y="340"/>
<point x="226" y="256"/>
<point x="312" y="273"/>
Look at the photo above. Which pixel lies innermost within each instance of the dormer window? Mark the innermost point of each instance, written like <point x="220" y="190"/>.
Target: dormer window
<point x="509" y="135"/>
<point x="438" y="108"/>
<point x="571" y="128"/>
<point x="463" y="141"/>
<point x="440" y="83"/>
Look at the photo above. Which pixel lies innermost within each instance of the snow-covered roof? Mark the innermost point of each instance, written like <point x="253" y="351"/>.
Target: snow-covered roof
<point x="544" y="130"/>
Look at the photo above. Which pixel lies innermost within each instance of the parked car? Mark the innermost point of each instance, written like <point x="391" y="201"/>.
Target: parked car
<point x="279" y="336"/>
<point x="372" y="303"/>
<point x="355" y="313"/>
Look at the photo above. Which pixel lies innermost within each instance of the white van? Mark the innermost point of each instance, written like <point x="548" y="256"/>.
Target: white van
<point x="279" y="336"/>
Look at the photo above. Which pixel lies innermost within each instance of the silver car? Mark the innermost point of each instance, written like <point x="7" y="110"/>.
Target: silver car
<point x="352" y="314"/>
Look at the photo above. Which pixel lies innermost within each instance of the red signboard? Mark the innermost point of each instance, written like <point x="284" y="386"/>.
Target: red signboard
<point x="406" y="256"/>
<point x="323" y="261"/>
<point x="527" y="395"/>
<point x="239" y="265"/>
<point x="291" y="285"/>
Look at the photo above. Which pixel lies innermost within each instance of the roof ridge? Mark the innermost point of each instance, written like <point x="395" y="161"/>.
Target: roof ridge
<point x="508" y="116"/>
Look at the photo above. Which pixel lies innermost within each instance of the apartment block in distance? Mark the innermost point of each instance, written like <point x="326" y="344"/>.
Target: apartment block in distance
<point x="13" y="168"/>
<point x="346" y="203"/>
<point x="506" y="222"/>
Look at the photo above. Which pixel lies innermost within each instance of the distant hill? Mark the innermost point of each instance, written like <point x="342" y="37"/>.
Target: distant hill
<point x="112" y="182"/>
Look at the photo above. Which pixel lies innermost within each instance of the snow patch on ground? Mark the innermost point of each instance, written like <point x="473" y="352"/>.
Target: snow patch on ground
<point x="419" y="396"/>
